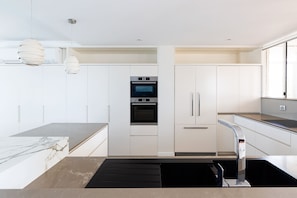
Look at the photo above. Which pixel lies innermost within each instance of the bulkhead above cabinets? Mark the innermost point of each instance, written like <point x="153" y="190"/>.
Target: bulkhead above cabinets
<point x="115" y="55"/>
<point x="217" y="55"/>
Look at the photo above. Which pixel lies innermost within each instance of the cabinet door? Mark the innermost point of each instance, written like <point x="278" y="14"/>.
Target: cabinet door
<point x="225" y="136"/>
<point x="31" y="97"/>
<point x="9" y="100"/>
<point x="185" y="95"/>
<point x="205" y="95"/>
<point x="250" y="89"/>
<point x="144" y="145"/>
<point x="144" y="71"/>
<point x="98" y="94"/>
<point x="228" y="89"/>
<point x="54" y="94"/>
<point x="76" y="96"/>
<point x="195" y="139"/>
<point x="119" y="100"/>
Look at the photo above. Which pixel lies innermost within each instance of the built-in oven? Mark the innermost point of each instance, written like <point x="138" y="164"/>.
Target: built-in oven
<point x="144" y="86"/>
<point x="144" y="111"/>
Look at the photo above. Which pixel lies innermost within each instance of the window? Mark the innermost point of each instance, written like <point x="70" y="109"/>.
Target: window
<point x="280" y="79"/>
<point x="292" y="69"/>
<point x="276" y="71"/>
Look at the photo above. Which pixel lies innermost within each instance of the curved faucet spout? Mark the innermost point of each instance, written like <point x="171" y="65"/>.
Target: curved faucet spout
<point x="240" y="149"/>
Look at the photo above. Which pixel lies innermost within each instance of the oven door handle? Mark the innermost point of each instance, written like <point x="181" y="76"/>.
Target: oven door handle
<point x="142" y="104"/>
<point x="150" y="82"/>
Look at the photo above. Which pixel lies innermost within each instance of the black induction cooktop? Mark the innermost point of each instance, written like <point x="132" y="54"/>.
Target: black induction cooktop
<point x="283" y="123"/>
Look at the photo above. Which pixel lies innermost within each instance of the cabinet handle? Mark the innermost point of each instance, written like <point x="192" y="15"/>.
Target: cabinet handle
<point x="108" y="113"/>
<point x="195" y="127"/>
<point x="192" y="105"/>
<point x="19" y="113"/>
<point x="198" y="102"/>
<point x="87" y="113"/>
<point x="43" y="114"/>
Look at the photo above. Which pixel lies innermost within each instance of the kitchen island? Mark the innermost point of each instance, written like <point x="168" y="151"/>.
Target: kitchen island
<point x="68" y="178"/>
<point x="77" y="132"/>
<point x="39" y="149"/>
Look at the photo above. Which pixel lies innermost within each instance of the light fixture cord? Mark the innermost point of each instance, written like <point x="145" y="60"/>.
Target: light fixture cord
<point x="31" y="19"/>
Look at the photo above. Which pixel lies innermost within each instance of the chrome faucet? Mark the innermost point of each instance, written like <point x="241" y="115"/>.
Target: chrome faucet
<point x="241" y="155"/>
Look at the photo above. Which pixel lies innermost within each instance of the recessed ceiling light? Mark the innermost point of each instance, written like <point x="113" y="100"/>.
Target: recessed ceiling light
<point x="139" y="39"/>
<point x="228" y="39"/>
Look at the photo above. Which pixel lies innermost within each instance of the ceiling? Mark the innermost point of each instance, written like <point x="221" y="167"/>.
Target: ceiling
<point x="149" y="22"/>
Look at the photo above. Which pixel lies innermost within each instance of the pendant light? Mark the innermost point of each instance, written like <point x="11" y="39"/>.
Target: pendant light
<point x="30" y="50"/>
<point x="71" y="62"/>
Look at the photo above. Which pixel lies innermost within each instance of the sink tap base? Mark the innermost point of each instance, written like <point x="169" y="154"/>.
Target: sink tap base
<point x="233" y="183"/>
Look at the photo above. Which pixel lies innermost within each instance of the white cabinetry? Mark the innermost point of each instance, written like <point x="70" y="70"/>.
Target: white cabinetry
<point x="31" y="97"/>
<point x="144" y="140"/>
<point x="119" y="100"/>
<point x="94" y="146"/>
<point x="76" y="96"/>
<point x="98" y="94"/>
<point x="144" y="70"/>
<point x="195" y="109"/>
<point x="239" y="88"/>
<point x="54" y="91"/>
<point x="264" y="138"/>
<point x="9" y="100"/>
<point x="294" y="144"/>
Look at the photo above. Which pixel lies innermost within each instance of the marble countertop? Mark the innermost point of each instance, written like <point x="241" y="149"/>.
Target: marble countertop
<point x="77" y="132"/>
<point x="263" y="118"/>
<point x="68" y="178"/>
<point x="18" y="154"/>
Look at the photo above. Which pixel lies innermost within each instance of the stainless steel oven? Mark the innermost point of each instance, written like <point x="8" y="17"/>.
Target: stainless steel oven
<point x="144" y="111"/>
<point x="144" y="86"/>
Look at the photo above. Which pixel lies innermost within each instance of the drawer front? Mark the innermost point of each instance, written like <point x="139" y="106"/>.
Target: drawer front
<point x="198" y="139"/>
<point x="144" y="145"/>
<point x="274" y="133"/>
<point x="249" y="135"/>
<point x="252" y="151"/>
<point x="144" y="130"/>
<point x="271" y="147"/>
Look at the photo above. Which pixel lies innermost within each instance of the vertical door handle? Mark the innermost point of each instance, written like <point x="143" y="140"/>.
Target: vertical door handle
<point x="19" y="113"/>
<point x="192" y="103"/>
<point x="87" y="113"/>
<point x="108" y="113"/>
<point x="198" y="104"/>
<point x="43" y="114"/>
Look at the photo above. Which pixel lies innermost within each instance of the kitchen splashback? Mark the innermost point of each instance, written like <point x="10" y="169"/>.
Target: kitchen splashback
<point x="271" y="106"/>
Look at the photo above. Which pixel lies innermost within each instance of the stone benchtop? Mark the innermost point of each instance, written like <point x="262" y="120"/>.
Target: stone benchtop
<point x="68" y="178"/>
<point x="77" y="132"/>
<point x="263" y="118"/>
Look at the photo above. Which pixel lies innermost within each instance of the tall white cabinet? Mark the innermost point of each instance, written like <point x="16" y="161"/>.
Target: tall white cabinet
<point x="195" y="109"/>
<point x="54" y="92"/>
<point x="97" y="96"/>
<point x="119" y="101"/>
<point x="31" y="97"/>
<point x="9" y="100"/>
<point x="239" y="88"/>
<point x="238" y="91"/>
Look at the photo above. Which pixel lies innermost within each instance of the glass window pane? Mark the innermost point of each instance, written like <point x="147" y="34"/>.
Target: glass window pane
<point x="292" y="69"/>
<point x="275" y="71"/>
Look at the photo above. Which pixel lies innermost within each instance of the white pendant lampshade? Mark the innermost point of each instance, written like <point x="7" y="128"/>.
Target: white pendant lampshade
<point x="72" y="65"/>
<point x="31" y="52"/>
